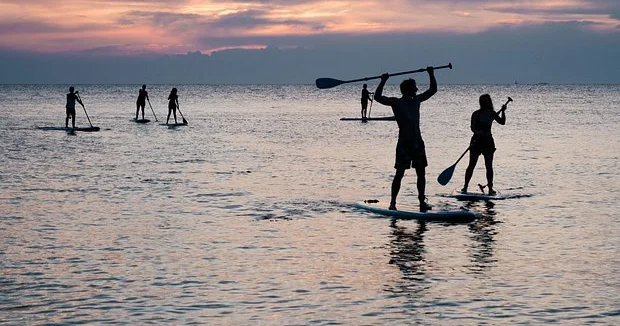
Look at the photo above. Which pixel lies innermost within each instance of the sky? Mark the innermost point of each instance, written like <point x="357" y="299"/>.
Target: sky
<point x="279" y="41"/>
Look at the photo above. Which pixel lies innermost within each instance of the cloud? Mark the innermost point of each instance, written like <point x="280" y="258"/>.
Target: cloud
<point x="549" y="52"/>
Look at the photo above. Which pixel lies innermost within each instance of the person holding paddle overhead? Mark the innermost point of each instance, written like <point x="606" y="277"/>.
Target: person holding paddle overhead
<point x="410" y="151"/>
<point x="482" y="141"/>
<point x="70" y="106"/>
<point x="143" y="95"/>
<point x="365" y="98"/>
<point x="173" y="103"/>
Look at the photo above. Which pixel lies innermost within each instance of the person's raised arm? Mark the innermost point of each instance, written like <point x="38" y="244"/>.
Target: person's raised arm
<point x="379" y="91"/>
<point x="500" y="117"/>
<point x="433" y="87"/>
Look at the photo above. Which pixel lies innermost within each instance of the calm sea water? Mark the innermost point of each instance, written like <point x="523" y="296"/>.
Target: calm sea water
<point x="245" y="215"/>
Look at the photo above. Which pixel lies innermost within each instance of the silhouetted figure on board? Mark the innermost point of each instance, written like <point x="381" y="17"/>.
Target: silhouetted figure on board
<point x="482" y="141"/>
<point x="72" y="97"/>
<point x="173" y="103"/>
<point x="143" y="96"/>
<point x="410" y="151"/>
<point x="365" y="98"/>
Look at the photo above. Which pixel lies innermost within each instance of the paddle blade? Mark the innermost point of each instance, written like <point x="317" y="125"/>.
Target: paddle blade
<point x="324" y="83"/>
<point x="446" y="175"/>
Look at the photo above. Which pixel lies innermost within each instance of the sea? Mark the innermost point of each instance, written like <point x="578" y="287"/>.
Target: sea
<point x="245" y="216"/>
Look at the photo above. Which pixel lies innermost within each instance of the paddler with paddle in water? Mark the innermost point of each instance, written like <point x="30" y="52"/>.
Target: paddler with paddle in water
<point x="143" y="96"/>
<point x="410" y="151"/>
<point x="365" y="98"/>
<point x="72" y="97"/>
<point x="173" y="103"/>
<point x="482" y="141"/>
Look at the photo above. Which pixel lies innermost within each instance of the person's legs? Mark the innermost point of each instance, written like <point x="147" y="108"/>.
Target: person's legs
<point x="398" y="177"/>
<point x="469" y="172"/>
<point x="488" y="163"/>
<point x="364" y="109"/>
<point x="421" y="185"/>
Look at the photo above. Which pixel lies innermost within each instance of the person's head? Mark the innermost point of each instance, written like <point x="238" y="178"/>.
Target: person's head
<point x="364" y="86"/>
<point x="71" y="89"/>
<point x="143" y="86"/>
<point x="408" y="87"/>
<point x="485" y="102"/>
<point x="174" y="90"/>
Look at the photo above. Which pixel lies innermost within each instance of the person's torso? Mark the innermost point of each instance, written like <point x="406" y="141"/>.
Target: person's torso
<point x="365" y="95"/>
<point x="71" y="100"/>
<point x="407" y="113"/>
<point x="142" y="95"/>
<point x="483" y="120"/>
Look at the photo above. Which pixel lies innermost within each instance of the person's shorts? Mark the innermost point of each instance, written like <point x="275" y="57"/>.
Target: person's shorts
<point x="70" y="111"/>
<point x="141" y="103"/>
<point x="483" y="145"/>
<point x="410" y="156"/>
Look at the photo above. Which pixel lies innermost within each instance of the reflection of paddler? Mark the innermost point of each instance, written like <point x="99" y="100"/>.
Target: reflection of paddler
<point x="482" y="142"/>
<point x="365" y="98"/>
<point x="72" y="97"/>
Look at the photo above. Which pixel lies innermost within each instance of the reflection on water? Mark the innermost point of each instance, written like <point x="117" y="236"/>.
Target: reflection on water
<point x="482" y="233"/>
<point x="407" y="252"/>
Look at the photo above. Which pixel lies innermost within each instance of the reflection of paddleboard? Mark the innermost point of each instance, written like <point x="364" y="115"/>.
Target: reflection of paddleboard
<point x="141" y="120"/>
<point x="370" y="119"/>
<point x="86" y="129"/>
<point x="412" y="212"/>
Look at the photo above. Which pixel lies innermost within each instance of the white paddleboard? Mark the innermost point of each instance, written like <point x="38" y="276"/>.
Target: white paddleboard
<point x="413" y="212"/>
<point x="476" y="196"/>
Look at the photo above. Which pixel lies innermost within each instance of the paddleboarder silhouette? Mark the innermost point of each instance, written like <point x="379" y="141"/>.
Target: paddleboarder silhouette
<point x="410" y="151"/>
<point x="143" y="95"/>
<point x="482" y="142"/>
<point x="173" y="103"/>
<point x="72" y="97"/>
<point x="365" y="98"/>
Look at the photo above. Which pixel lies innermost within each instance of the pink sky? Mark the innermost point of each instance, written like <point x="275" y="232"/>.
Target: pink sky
<point x="164" y="26"/>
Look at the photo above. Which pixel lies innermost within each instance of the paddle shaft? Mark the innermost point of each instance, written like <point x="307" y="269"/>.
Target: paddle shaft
<point x="152" y="109"/>
<point x="331" y="82"/>
<point x="82" y="104"/>
<point x="178" y="108"/>
<point x="397" y="74"/>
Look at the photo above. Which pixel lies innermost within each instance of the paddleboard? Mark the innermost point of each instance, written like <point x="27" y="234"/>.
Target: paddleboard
<point x="141" y="120"/>
<point x="86" y="129"/>
<point x="413" y="212"/>
<point x="173" y="124"/>
<point x="474" y="196"/>
<point x="392" y="118"/>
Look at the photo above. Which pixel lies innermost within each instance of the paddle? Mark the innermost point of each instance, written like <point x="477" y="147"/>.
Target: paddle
<point x="370" y="109"/>
<point x="323" y="83"/>
<point x="184" y="121"/>
<point x="446" y="175"/>
<point x="82" y="104"/>
<point x="153" y="110"/>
